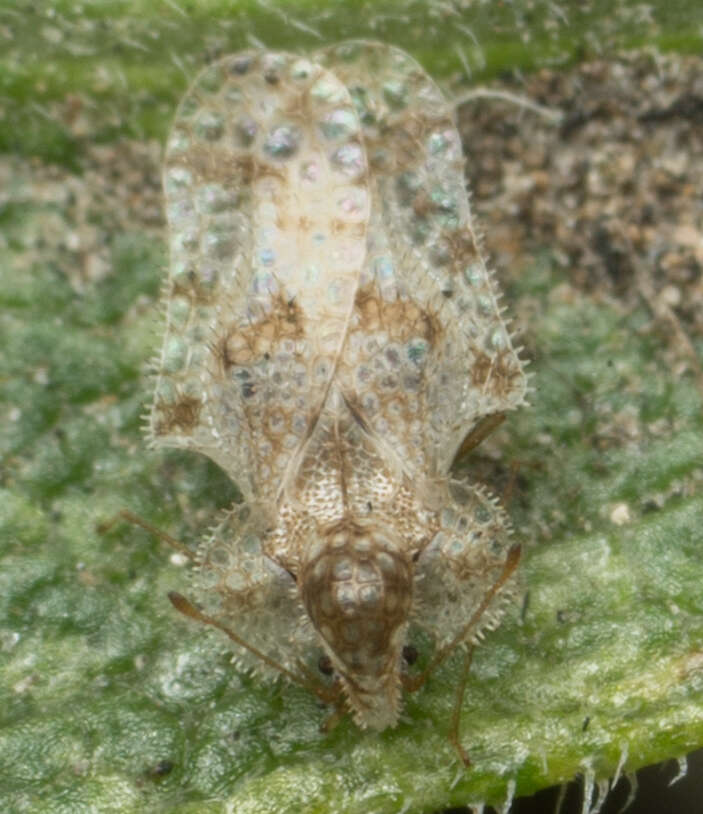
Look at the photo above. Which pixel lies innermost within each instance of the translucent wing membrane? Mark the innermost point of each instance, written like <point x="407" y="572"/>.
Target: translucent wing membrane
<point x="429" y="352"/>
<point x="249" y="593"/>
<point x="266" y="187"/>
<point x="466" y="555"/>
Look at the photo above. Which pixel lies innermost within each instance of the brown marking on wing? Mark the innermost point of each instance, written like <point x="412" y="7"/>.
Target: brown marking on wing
<point x="182" y="415"/>
<point x="339" y="226"/>
<point x="304" y="223"/>
<point x="234" y="170"/>
<point x="403" y="319"/>
<point x="191" y="285"/>
<point x="402" y="140"/>
<point x="495" y="374"/>
<point x="244" y="344"/>
<point x="461" y="248"/>
<point x="423" y="205"/>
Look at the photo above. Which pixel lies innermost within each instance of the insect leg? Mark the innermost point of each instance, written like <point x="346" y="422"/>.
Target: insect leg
<point x="456" y="712"/>
<point x="187" y="608"/>
<point x="483" y="428"/>
<point x="336" y="716"/>
<point x="511" y="562"/>
<point x="125" y="515"/>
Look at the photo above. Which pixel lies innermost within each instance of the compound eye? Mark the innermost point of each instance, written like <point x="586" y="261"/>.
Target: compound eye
<point x="410" y="654"/>
<point x="324" y="665"/>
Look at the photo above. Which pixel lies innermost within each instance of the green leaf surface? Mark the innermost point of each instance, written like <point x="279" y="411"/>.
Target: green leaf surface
<point x="108" y="700"/>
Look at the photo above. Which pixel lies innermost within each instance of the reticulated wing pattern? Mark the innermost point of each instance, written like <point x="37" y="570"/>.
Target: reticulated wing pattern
<point x="462" y="562"/>
<point x="428" y="352"/>
<point x="247" y="592"/>
<point x="267" y="200"/>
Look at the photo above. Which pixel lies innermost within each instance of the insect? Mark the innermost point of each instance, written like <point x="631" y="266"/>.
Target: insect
<point x="332" y="339"/>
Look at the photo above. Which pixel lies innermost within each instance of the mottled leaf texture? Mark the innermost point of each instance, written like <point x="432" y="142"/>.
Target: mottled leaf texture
<point x="332" y="337"/>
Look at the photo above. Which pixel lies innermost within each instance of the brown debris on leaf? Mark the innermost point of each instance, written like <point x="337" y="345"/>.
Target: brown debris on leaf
<point x="614" y="191"/>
